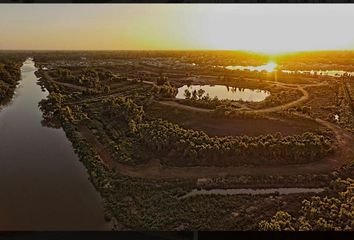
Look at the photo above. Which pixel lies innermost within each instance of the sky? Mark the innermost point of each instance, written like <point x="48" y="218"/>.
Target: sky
<point x="269" y="28"/>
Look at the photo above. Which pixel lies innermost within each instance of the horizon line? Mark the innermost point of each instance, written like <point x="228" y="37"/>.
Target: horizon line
<point x="177" y="50"/>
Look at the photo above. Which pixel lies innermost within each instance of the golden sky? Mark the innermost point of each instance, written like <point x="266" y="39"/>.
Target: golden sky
<point x="270" y="28"/>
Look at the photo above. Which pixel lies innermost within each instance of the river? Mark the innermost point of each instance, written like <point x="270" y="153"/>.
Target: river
<point x="43" y="184"/>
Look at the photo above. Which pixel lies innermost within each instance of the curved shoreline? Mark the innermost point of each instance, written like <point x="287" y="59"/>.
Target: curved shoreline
<point x="40" y="170"/>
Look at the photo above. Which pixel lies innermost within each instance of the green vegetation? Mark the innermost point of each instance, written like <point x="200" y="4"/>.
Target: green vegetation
<point x="165" y="90"/>
<point x="124" y="109"/>
<point x="195" y="148"/>
<point x="10" y="74"/>
<point x="94" y="80"/>
<point x="320" y="213"/>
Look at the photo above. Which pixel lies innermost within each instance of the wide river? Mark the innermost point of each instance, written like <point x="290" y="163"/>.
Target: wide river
<point x="43" y="185"/>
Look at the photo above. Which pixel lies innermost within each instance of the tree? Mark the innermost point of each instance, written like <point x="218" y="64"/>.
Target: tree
<point x="280" y="221"/>
<point x="194" y="95"/>
<point x="124" y="109"/>
<point x="200" y="93"/>
<point x="187" y="94"/>
<point x="162" y="79"/>
<point x="165" y="90"/>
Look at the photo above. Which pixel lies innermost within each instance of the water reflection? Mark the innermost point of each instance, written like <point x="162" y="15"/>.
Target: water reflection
<point x="225" y="92"/>
<point x="43" y="184"/>
<point x="270" y="68"/>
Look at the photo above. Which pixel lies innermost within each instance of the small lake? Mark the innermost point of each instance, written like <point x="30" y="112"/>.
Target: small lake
<point x="43" y="184"/>
<point x="240" y="191"/>
<point x="223" y="92"/>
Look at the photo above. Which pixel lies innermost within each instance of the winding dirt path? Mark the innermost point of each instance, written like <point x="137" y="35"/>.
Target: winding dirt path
<point x="303" y="98"/>
<point x="153" y="169"/>
<point x="282" y="107"/>
<point x="183" y="106"/>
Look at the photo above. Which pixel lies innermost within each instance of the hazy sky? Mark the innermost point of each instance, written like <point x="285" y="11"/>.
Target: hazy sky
<point x="267" y="28"/>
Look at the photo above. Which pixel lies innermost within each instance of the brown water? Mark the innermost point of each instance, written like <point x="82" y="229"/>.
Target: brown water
<point x="43" y="184"/>
<point x="240" y="191"/>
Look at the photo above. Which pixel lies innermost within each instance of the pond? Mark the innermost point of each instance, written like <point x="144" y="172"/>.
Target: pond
<point x="240" y="191"/>
<point x="223" y="92"/>
<point x="43" y="184"/>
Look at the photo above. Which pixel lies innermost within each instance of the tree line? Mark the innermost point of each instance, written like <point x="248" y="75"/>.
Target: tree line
<point x="195" y="148"/>
<point x="10" y="74"/>
<point x="166" y="90"/>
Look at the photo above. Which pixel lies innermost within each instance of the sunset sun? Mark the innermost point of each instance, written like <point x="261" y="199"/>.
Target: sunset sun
<point x="270" y="67"/>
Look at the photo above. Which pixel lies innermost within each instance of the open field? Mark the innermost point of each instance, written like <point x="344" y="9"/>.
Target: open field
<point x="243" y="125"/>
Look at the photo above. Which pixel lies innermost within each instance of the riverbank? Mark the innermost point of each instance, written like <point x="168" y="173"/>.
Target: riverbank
<point x="10" y="75"/>
<point x="44" y="177"/>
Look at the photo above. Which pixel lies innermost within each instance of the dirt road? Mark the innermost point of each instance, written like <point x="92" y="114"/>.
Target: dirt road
<point x="282" y="107"/>
<point x="183" y="106"/>
<point x="303" y="98"/>
<point x="154" y="169"/>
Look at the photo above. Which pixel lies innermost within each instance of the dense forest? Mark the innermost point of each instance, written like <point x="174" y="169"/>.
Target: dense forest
<point x="195" y="148"/>
<point x="10" y="74"/>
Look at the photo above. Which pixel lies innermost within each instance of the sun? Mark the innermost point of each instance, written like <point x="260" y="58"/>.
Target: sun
<point x="269" y="67"/>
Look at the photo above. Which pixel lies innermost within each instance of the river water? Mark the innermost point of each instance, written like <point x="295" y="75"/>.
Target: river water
<point x="43" y="185"/>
